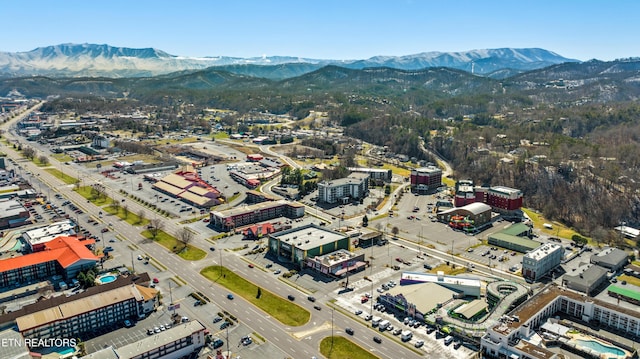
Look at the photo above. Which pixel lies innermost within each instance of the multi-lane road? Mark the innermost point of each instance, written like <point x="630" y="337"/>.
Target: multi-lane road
<point x="296" y="342"/>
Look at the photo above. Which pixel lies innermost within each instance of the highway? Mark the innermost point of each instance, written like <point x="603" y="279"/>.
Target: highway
<point x="298" y="342"/>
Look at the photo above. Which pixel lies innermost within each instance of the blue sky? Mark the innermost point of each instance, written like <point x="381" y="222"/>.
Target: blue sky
<point x="327" y="29"/>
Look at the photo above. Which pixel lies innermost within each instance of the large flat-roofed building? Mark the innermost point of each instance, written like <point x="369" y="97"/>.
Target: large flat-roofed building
<point x="179" y="341"/>
<point x="65" y="256"/>
<point x="514" y="237"/>
<point x="337" y="264"/>
<point x="38" y="237"/>
<point x="297" y="244"/>
<point x="613" y="259"/>
<point x="380" y="174"/>
<point x="465" y="286"/>
<point x="425" y="179"/>
<point x="13" y="214"/>
<point x="343" y="190"/>
<point x="12" y="344"/>
<point x="237" y="217"/>
<point x="540" y="261"/>
<point x="417" y="299"/>
<point x="513" y="336"/>
<point x="504" y="198"/>
<point x="586" y="278"/>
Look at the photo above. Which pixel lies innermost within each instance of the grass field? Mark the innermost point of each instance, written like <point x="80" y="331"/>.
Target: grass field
<point x="285" y="311"/>
<point x="85" y="191"/>
<point x="63" y="177"/>
<point x="131" y="218"/>
<point x="343" y="348"/>
<point x="558" y="229"/>
<point x="62" y="157"/>
<point x="171" y="243"/>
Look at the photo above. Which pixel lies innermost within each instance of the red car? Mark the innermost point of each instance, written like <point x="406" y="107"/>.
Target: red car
<point x="250" y="265"/>
<point x="155" y="280"/>
<point x="105" y="230"/>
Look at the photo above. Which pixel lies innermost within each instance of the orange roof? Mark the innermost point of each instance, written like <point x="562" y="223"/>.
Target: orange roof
<point x="64" y="249"/>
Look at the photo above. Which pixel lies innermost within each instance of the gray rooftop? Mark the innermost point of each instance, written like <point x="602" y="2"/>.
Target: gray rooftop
<point x="425" y="296"/>
<point x="586" y="274"/>
<point x="610" y="256"/>
<point x="149" y="343"/>
<point x="308" y="237"/>
<point x="13" y="345"/>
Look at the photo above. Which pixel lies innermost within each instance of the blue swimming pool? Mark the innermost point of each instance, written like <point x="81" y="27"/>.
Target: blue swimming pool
<point x="65" y="351"/>
<point x="599" y="347"/>
<point x="107" y="278"/>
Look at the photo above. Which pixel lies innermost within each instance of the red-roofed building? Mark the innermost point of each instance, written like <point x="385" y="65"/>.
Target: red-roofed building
<point x="64" y="255"/>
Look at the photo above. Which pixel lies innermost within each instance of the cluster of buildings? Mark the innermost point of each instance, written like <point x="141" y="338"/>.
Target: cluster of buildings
<point x="502" y="199"/>
<point x="188" y="187"/>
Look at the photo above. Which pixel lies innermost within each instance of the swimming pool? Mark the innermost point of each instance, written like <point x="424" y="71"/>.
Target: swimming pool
<point x="107" y="278"/>
<point x="66" y="351"/>
<point x="599" y="347"/>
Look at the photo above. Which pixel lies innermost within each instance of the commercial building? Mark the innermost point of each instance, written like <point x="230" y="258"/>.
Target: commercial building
<point x="464" y="286"/>
<point x="65" y="256"/>
<point x="379" y="174"/>
<point x="467" y="218"/>
<point x="515" y="238"/>
<point x="416" y="300"/>
<point x="631" y="295"/>
<point x="613" y="259"/>
<point x="337" y="264"/>
<point x="38" y="237"/>
<point x="514" y="336"/>
<point x="343" y="190"/>
<point x="540" y="261"/>
<point x="179" y="341"/>
<point x="12" y="345"/>
<point x="586" y="278"/>
<point x="259" y="212"/>
<point x="80" y="314"/>
<point x="297" y="244"/>
<point x="13" y="214"/>
<point x="425" y="179"/>
<point x="190" y="188"/>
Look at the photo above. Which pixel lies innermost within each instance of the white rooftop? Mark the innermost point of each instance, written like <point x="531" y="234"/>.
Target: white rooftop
<point x="48" y="233"/>
<point x="308" y="237"/>
<point x="543" y="251"/>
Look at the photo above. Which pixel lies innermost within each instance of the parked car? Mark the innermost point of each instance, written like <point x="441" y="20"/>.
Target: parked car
<point x="217" y="319"/>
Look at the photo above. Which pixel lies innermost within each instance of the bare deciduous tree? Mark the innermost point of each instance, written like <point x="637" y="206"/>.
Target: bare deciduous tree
<point x="155" y="227"/>
<point x="184" y="235"/>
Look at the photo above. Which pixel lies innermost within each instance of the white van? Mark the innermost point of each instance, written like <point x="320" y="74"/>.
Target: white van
<point x="448" y="340"/>
<point x="383" y="325"/>
<point x="406" y="335"/>
<point x="375" y="321"/>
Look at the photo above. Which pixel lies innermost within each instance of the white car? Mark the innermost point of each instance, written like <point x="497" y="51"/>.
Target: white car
<point x="139" y="257"/>
<point x="419" y="343"/>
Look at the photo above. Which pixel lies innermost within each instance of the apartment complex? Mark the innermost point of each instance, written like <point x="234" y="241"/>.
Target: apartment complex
<point x="343" y="190"/>
<point x="540" y="261"/>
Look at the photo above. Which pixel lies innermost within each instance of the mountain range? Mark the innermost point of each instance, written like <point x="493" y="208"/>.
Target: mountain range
<point x="91" y="60"/>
